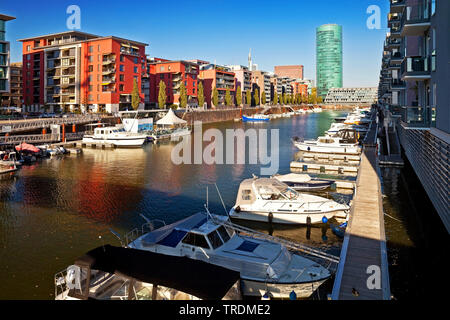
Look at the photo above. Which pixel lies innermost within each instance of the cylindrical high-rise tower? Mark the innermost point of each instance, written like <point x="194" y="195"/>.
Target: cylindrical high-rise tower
<point x="329" y="58"/>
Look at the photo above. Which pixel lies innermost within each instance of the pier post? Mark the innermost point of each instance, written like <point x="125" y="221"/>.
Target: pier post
<point x="63" y="132"/>
<point x="74" y="128"/>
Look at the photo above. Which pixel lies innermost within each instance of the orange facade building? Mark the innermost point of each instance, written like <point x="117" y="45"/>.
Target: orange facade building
<point x="71" y="70"/>
<point x="222" y="78"/>
<point x="293" y="72"/>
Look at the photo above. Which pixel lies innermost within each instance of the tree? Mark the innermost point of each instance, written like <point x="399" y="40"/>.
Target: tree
<point x="304" y="98"/>
<point x="228" y="99"/>
<point x="215" y="97"/>
<point x="162" y="96"/>
<point x="135" y="97"/>
<point x="256" y="94"/>
<point x="314" y="95"/>
<point x="263" y="98"/>
<point x="183" y="96"/>
<point x="201" y="95"/>
<point x="239" y="96"/>
<point x="275" y="99"/>
<point x="320" y="99"/>
<point x="249" y="97"/>
<point x="284" y="99"/>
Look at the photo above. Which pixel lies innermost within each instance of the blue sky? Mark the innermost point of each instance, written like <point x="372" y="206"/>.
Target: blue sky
<point x="279" y="32"/>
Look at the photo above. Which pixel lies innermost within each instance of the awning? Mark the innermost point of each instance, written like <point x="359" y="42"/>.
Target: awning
<point x="27" y="147"/>
<point x="170" y="119"/>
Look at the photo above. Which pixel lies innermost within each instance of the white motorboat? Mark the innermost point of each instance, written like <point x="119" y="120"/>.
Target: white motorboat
<point x="270" y="200"/>
<point x="345" y="144"/>
<point x="304" y="182"/>
<point x="337" y="127"/>
<point x="115" y="136"/>
<point x="256" y="118"/>
<point x="317" y="110"/>
<point x="265" y="265"/>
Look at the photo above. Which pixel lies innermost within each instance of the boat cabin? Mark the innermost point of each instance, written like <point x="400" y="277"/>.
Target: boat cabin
<point x="251" y="190"/>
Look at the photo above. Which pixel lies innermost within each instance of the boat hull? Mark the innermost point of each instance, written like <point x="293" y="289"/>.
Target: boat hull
<point x="285" y="218"/>
<point x="121" y="143"/>
<point x="250" y="119"/>
<point x="328" y="149"/>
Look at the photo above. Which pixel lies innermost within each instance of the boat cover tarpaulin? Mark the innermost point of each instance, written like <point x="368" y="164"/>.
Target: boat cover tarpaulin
<point x="27" y="147"/>
<point x="203" y="280"/>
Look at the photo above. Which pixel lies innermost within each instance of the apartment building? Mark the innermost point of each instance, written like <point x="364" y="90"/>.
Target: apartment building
<point x="293" y="72"/>
<point x="299" y="88"/>
<point x="276" y="85"/>
<point x="75" y="70"/>
<point x="220" y="77"/>
<point x="414" y="86"/>
<point x="352" y="96"/>
<point x="4" y="55"/>
<point x="243" y="77"/>
<point x="261" y="81"/>
<point x="14" y="97"/>
<point x="173" y="74"/>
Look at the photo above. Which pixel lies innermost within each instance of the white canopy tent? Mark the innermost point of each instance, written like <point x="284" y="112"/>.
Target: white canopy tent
<point x="170" y="119"/>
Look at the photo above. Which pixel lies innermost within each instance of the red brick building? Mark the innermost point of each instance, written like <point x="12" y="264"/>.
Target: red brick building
<point x="299" y="88"/>
<point x="72" y="70"/>
<point x="173" y="73"/>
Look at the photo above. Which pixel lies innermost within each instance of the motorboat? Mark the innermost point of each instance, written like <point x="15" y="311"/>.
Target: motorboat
<point x="317" y="110"/>
<point x="116" y="273"/>
<point x="304" y="182"/>
<point x="256" y="118"/>
<point x="265" y="265"/>
<point x="10" y="159"/>
<point x="337" y="127"/>
<point x="161" y="134"/>
<point x="346" y="143"/>
<point x="273" y="201"/>
<point x="115" y="136"/>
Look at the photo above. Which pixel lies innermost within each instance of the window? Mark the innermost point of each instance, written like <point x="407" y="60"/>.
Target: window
<point x="90" y="97"/>
<point x="91" y="58"/>
<point x="90" y="78"/>
<point x="91" y="88"/>
<point x="121" y="77"/>
<point x="161" y="68"/>
<point x="122" y="68"/>
<point x="135" y="69"/>
<point x="136" y="61"/>
<point x="91" y="68"/>
<point x="121" y="87"/>
<point x="99" y="58"/>
<point x="193" y="91"/>
<point x="196" y="240"/>
<point x="433" y="7"/>
<point x="28" y="50"/>
<point x="223" y="234"/>
<point x="91" y="49"/>
<point x="161" y="76"/>
<point x="122" y="58"/>
<point x="98" y="68"/>
<point x="246" y="195"/>
<point x="98" y="48"/>
<point x="215" y="240"/>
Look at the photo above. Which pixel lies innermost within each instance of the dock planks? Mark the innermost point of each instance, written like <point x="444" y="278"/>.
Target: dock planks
<point x="365" y="241"/>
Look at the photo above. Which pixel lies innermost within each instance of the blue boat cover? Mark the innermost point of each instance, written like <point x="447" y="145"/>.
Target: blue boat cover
<point x="247" y="246"/>
<point x="173" y="238"/>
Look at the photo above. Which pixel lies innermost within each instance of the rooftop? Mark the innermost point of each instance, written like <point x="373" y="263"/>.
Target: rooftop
<point x="4" y="17"/>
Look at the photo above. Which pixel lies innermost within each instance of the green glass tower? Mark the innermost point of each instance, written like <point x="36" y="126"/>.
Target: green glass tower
<point x="329" y="58"/>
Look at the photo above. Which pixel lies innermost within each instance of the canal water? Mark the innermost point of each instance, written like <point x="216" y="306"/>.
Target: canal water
<point x="58" y="209"/>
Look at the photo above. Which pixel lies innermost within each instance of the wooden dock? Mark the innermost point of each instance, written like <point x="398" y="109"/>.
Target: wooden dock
<point x="363" y="270"/>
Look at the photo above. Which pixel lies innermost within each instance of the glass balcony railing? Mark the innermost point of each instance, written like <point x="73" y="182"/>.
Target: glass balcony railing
<point x="415" y="66"/>
<point x="415" y="16"/>
<point x="419" y="117"/>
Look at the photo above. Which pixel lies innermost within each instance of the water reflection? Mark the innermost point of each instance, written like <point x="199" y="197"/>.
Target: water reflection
<point x="55" y="210"/>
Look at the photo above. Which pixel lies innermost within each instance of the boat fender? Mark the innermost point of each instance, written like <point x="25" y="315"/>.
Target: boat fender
<point x="324" y="219"/>
<point x="309" y="148"/>
<point x="293" y="295"/>
<point x="266" y="296"/>
<point x="270" y="217"/>
<point x="238" y="209"/>
<point x="308" y="221"/>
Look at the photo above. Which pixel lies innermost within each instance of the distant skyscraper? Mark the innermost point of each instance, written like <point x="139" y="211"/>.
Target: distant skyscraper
<point x="329" y="58"/>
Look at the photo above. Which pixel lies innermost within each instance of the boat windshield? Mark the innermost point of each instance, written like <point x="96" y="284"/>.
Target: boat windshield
<point x="214" y="239"/>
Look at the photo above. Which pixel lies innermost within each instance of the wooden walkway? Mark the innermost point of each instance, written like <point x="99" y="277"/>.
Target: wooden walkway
<point x="365" y="242"/>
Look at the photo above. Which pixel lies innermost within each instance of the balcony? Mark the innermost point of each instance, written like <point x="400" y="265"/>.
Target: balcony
<point x="397" y="6"/>
<point x="416" y="19"/>
<point x="125" y="98"/>
<point x="109" y="59"/>
<point x="419" y="117"/>
<point x="394" y="42"/>
<point x="415" y="68"/>
<point x="397" y="84"/>
<point x="396" y="58"/>
<point x="394" y="18"/>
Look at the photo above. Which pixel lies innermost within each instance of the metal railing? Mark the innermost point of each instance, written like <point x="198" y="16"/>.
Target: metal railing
<point x="416" y="66"/>
<point x="419" y="117"/>
<point x="34" y="124"/>
<point x="416" y="13"/>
